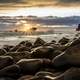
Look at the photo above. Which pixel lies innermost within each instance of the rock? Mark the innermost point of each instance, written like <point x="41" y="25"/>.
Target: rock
<point x="15" y="48"/>
<point x="22" y="43"/>
<point x="49" y="76"/>
<point x="19" y="55"/>
<point x="59" y="47"/>
<point x="56" y="53"/>
<point x="26" y="44"/>
<point x="5" y="61"/>
<point x="43" y="52"/>
<point x="63" y="41"/>
<point x="23" y="49"/>
<point x="39" y="42"/>
<point x="44" y="73"/>
<point x="75" y="42"/>
<point x="42" y="78"/>
<point x="12" y="71"/>
<point x="78" y="28"/>
<point x="60" y="62"/>
<point x="72" y="74"/>
<point x="2" y="52"/>
<point x="7" y="47"/>
<point x="26" y="77"/>
<point x="71" y="56"/>
<point x="6" y="78"/>
<point x="53" y="41"/>
<point x="31" y="66"/>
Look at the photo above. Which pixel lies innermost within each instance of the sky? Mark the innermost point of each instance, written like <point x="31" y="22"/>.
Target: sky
<point x="40" y="8"/>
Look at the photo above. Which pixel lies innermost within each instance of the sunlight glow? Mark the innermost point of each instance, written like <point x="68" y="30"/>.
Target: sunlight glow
<point x="25" y="26"/>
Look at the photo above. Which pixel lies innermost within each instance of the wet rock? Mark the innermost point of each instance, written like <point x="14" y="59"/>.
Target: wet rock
<point x="56" y="53"/>
<point x="15" y="48"/>
<point x="60" y="62"/>
<point x="10" y="71"/>
<point x="6" y="78"/>
<point x="2" y="52"/>
<point x="25" y="43"/>
<point x="39" y="42"/>
<point x="19" y="55"/>
<point x="26" y="77"/>
<point x="7" y="47"/>
<point x="42" y="78"/>
<point x="24" y="48"/>
<point x="63" y="41"/>
<point x="44" y="73"/>
<point x="71" y="56"/>
<point x="49" y="75"/>
<point x="72" y="74"/>
<point x="75" y="42"/>
<point x="31" y="66"/>
<point x="5" y="61"/>
<point x="43" y="52"/>
<point x="59" y="47"/>
<point x="53" y="41"/>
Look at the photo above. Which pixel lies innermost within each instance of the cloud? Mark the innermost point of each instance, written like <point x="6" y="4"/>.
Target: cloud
<point x="68" y="2"/>
<point x="41" y="2"/>
<point x="13" y="1"/>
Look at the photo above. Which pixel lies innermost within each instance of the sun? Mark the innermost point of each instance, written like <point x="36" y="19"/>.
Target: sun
<point x="26" y="26"/>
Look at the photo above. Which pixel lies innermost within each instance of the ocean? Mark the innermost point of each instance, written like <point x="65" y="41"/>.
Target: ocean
<point x="59" y="32"/>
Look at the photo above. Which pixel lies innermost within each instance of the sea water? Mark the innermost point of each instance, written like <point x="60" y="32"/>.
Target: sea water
<point x="59" y="32"/>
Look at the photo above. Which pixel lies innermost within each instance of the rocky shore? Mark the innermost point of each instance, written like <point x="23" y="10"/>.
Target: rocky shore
<point x="41" y="60"/>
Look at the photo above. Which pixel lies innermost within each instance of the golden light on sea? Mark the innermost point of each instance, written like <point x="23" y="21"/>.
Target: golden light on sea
<point x="25" y="26"/>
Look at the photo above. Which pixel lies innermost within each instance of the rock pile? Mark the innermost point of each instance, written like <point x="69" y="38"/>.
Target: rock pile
<point x="41" y="60"/>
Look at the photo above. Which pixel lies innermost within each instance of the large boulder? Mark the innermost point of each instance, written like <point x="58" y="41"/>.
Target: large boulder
<point x="12" y="71"/>
<point x="5" y="61"/>
<point x="70" y="56"/>
<point x="31" y="66"/>
<point x="6" y="78"/>
<point x="43" y="52"/>
<point x="60" y="62"/>
<point x="72" y="74"/>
